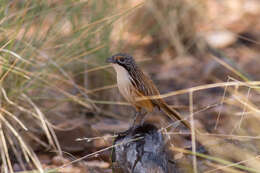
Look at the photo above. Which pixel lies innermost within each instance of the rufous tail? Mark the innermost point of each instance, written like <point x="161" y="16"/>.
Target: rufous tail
<point x="171" y="113"/>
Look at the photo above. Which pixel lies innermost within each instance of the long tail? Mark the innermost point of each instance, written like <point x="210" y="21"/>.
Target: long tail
<point x="171" y="113"/>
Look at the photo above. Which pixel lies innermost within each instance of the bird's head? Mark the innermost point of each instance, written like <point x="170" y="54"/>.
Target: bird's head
<point x="124" y="60"/>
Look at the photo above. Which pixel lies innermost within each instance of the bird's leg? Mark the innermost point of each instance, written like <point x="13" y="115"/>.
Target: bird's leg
<point x="143" y="115"/>
<point x="135" y="117"/>
<point x="139" y="118"/>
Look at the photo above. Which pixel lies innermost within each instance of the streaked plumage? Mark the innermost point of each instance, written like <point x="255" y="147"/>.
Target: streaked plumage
<point x="133" y="84"/>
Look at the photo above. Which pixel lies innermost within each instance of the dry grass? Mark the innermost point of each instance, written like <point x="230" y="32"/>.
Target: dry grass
<point x="43" y="45"/>
<point x="53" y="53"/>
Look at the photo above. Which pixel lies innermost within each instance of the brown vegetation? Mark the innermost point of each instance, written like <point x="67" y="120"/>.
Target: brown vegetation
<point x="56" y="87"/>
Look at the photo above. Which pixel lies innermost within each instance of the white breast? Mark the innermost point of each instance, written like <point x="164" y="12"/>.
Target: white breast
<point x="123" y="81"/>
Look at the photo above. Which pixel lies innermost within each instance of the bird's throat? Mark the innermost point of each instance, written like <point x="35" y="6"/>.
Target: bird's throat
<point x="123" y="81"/>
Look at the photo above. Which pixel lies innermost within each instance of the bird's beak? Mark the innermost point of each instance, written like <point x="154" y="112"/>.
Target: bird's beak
<point x="110" y="60"/>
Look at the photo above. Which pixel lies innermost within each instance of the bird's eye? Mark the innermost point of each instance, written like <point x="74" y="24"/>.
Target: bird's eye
<point x="121" y="59"/>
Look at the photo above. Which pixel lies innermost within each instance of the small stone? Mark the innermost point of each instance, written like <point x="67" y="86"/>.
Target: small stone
<point x="58" y="160"/>
<point x="220" y="38"/>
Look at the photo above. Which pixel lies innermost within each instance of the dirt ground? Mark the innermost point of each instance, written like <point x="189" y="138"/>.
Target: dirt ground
<point x="167" y="40"/>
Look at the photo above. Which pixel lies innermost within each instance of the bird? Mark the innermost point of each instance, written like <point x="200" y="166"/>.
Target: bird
<point x="134" y="84"/>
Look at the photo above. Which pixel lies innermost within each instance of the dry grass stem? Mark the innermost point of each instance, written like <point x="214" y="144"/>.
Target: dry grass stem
<point x="193" y="136"/>
<point x="203" y="87"/>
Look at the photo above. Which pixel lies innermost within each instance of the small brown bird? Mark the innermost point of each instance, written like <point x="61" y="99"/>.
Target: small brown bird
<point x="133" y="84"/>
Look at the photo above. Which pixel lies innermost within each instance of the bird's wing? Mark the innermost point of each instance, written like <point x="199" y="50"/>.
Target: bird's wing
<point x="144" y="85"/>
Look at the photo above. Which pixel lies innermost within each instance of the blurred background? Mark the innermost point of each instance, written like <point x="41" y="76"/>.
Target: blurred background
<point x="57" y="88"/>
